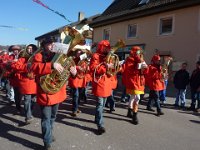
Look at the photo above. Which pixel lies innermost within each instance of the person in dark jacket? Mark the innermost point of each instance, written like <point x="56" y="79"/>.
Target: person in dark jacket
<point x="181" y="80"/>
<point x="195" y="87"/>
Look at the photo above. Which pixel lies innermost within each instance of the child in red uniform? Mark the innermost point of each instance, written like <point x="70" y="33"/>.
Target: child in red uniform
<point x="133" y="76"/>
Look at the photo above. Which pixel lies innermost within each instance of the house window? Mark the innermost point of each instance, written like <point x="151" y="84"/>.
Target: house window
<point x="132" y="31"/>
<point x="166" y="25"/>
<point x="106" y="34"/>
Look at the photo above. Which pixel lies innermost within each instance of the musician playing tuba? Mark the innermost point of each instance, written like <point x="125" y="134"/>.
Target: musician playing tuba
<point x="43" y="65"/>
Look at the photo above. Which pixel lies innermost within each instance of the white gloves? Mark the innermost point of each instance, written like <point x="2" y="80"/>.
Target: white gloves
<point x="58" y="67"/>
<point x="142" y="65"/>
<point x="73" y="70"/>
<point x="121" y="62"/>
<point x="110" y="65"/>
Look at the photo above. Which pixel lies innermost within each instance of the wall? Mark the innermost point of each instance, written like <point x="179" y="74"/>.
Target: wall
<point x="183" y="44"/>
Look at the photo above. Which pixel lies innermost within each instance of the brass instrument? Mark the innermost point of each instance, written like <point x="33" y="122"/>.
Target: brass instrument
<point x="84" y="64"/>
<point x="166" y="62"/>
<point x="24" y="53"/>
<point x="30" y="74"/>
<point x="53" y="82"/>
<point x="113" y="58"/>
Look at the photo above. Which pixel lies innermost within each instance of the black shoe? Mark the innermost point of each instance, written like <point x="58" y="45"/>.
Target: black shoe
<point x="111" y="110"/>
<point x="28" y="120"/>
<point x="176" y="105"/>
<point x="123" y="101"/>
<point x="129" y="113"/>
<point x="47" y="147"/>
<point x="101" y="130"/>
<point x="160" y="113"/>
<point x="197" y="110"/>
<point x="106" y="106"/>
<point x="191" y="108"/>
<point x="74" y="114"/>
<point x="135" y="118"/>
<point x="11" y="103"/>
<point x="150" y="109"/>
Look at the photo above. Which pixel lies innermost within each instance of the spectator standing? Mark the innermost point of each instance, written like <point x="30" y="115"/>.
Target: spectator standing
<point x="195" y="87"/>
<point x="181" y="80"/>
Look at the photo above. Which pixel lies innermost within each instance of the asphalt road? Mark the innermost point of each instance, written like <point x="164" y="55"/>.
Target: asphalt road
<point x="176" y="130"/>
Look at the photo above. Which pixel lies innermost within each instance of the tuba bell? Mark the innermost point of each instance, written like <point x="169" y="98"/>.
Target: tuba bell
<point x="53" y="82"/>
<point x="113" y="58"/>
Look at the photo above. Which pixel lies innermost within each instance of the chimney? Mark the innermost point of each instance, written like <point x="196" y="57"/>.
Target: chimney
<point x="81" y="16"/>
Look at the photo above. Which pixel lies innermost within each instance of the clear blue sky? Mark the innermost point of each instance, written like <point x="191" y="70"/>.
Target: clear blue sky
<point x="39" y="20"/>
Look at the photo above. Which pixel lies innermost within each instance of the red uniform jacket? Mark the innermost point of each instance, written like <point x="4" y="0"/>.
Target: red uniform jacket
<point x="132" y="77"/>
<point x="154" y="78"/>
<point x="3" y="63"/>
<point x="26" y="85"/>
<point x="76" y="82"/>
<point x="101" y="82"/>
<point x="12" y="76"/>
<point x="41" y="68"/>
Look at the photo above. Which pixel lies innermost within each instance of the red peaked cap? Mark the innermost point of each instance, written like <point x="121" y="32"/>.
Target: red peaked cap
<point x="135" y="49"/>
<point x="155" y="58"/>
<point x="102" y="45"/>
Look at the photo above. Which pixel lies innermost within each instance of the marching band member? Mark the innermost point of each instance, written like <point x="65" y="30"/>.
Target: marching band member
<point x="155" y="82"/>
<point x="4" y="57"/>
<point x="101" y="83"/>
<point x="49" y="103"/>
<point x="110" y="102"/>
<point x="133" y="71"/>
<point x="77" y="84"/>
<point x="26" y="84"/>
<point x="12" y="84"/>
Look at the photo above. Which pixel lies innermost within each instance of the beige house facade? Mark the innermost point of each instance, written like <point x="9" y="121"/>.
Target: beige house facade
<point x="174" y="32"/>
